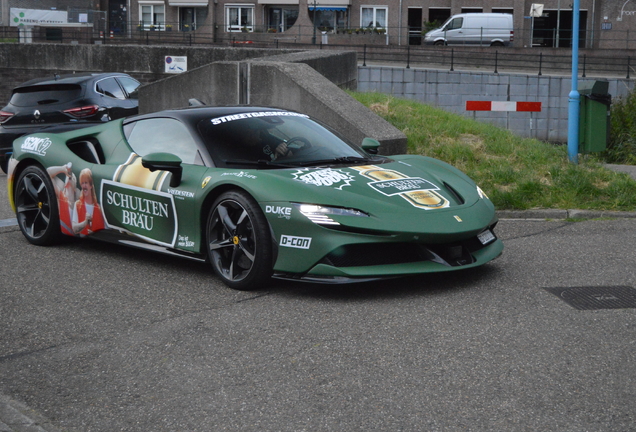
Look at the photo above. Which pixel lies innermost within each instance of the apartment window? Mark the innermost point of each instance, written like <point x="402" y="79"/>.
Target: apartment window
<point x="373" y="16"/>
<point x="328" y="18"/>
<point x="503" y="10"/>
<point x="239" y="18"/>
<point x="153" y="16"/>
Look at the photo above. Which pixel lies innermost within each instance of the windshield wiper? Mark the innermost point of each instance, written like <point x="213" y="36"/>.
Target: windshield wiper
<point x="258" y="163"/>
<point x="343" y="160"/>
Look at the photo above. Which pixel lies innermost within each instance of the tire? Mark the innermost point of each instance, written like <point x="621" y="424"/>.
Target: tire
<point x="239" y="242"/>
<point x="4" y="164"/>
<point x="36" y="207"/>
<point x="439" y="43"/>
<point x="497" y="44"/>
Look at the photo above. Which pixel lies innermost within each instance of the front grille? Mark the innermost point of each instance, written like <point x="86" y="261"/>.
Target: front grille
<point x="372" y="254"/>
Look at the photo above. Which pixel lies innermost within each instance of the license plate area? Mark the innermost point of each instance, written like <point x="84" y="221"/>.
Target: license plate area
<point x="486" y="237"/>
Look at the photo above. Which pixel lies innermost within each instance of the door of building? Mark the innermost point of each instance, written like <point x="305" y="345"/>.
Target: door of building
<point x="117" y="17"/>
<point x="414" y="21"/>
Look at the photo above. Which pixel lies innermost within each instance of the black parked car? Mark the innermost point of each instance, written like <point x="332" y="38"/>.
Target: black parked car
<point x="75" y="100"/>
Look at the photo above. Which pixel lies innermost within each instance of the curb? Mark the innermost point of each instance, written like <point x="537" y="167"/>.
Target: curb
<point x="17" y="417"/>
<point x="563" y="214"/>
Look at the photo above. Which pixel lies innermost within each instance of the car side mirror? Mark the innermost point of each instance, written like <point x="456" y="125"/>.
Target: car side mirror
<point x="370" y="145"/>
<point x="164" y="162"/>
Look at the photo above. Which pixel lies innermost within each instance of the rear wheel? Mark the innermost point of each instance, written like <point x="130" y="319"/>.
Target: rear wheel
<point x="239" y="242"/>
<point x="36" y="207"/>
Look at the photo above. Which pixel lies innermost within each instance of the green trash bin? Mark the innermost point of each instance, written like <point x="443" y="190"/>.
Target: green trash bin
<point x="594" y="118"/>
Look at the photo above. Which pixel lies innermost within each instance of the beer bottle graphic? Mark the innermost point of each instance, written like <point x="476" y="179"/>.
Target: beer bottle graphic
<point x="133" y="173"/>
<point x="427" y="197"/>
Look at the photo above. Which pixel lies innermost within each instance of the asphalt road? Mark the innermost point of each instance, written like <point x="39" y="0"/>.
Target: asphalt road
<point x="96" y="337"/>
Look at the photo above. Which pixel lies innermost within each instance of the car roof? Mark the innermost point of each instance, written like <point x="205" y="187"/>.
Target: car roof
<point x="197" y="113"/>
<point x="69" y="79"/>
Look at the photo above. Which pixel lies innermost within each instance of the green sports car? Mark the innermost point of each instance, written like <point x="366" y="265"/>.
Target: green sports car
<point x="257" y="192"/>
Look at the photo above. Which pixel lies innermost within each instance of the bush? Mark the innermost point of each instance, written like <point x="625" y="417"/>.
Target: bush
<point x="621" y="147"/>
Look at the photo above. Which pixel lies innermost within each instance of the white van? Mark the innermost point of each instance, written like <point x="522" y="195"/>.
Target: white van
<point x="494" y="29"/>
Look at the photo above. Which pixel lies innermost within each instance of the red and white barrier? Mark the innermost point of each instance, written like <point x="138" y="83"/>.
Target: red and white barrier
<point x="503" y="106"/>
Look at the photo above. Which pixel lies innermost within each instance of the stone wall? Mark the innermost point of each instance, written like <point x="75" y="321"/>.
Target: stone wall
<point x="282" y="84"/>
<point x="309" y="82"/>
<point x="450" y="91"/>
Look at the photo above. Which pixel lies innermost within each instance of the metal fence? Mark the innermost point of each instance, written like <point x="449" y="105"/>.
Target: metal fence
<point x="370" y="45"/>
<point x="394" y="36"/>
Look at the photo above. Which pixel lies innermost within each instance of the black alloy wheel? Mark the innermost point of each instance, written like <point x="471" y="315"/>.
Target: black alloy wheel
<point x="36" y="207"/>
<point x="239" y="241"/>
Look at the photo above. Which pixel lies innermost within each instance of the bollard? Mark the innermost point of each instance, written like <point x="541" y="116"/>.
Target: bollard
<point x="496" y="60"/>
<point x="584" y="61"/>
<point x="408" y="56"/>
<point x="364" y="58"/>
<point x="452" y="59"/>
<point x="540" y="63"/>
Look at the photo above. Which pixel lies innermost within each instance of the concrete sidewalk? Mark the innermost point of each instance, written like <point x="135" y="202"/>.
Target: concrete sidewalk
<point x="627" y="169"/>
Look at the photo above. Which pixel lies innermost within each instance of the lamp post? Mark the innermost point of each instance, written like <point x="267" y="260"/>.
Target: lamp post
<point x="313" y="39"/>
<point x="574" y="97"/>
<point x="558" y="22"/>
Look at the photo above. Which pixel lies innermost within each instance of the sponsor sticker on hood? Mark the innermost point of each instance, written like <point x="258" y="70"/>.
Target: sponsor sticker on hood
<point x="417" y="191"/>
<point x="324" y="177"/>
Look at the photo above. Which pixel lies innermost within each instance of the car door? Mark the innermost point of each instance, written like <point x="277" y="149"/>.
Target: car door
<point x="131" y="88"/>
<point x="453" y="31"/>
<point x="113" y="97"/>
<point x="148" y="204"/>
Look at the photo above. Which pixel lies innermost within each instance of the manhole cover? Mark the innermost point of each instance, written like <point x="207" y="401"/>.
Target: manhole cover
<point x="592" y="298"/>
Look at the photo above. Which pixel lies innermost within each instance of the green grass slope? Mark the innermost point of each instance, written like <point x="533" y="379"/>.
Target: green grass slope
<point x="516" y="173"/>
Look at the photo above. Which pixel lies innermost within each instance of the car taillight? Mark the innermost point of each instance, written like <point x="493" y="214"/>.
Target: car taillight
<point x="81" y="112"/>
<point x="512" y="35"/>
<point x="4" y="116"/>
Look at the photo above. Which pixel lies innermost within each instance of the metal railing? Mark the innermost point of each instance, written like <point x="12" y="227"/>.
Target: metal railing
<point x="370" y="46"/>
<point x="137" y="32"/>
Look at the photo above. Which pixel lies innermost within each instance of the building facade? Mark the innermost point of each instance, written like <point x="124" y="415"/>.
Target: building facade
<point x="604" y="24"/>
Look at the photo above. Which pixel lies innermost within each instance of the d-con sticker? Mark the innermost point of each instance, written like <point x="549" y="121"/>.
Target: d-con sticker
<point x="417" y="191"/>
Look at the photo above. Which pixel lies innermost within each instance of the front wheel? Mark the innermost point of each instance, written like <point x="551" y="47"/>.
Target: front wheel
<point x="239" y="242"/>
<point x="36" y="207"/>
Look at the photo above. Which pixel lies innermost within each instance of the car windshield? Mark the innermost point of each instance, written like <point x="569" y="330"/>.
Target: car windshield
<point x="275" y="139"/>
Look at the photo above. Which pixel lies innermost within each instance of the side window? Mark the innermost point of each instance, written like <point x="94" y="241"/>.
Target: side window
<point x="130" y="85"/>
<point x="455" y="24"/>
<point x="109" y="87"/>
<point x="162" y="135"/>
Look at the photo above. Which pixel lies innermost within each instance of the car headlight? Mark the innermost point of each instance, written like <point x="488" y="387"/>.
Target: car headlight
<point x="481" y="193"/>
<point x="320" y="214"/>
